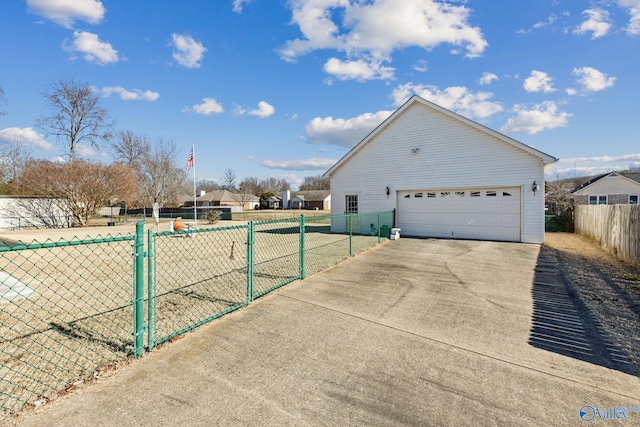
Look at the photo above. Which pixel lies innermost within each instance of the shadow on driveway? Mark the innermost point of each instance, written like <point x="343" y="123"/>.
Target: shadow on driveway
<point x="563" y="324"/>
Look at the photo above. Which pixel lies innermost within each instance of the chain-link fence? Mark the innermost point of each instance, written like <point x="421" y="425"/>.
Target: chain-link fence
<point x="65" y="310"/>
<point x="71" y="309"/>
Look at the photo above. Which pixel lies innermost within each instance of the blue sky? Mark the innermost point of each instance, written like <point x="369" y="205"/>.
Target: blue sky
<point x="285" y="87"/>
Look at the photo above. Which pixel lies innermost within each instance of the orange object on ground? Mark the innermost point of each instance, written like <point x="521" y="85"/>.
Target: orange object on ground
<point x="178" y="225"/>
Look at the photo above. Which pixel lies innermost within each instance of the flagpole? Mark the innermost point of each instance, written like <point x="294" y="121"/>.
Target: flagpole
<point x="195" y="207"/>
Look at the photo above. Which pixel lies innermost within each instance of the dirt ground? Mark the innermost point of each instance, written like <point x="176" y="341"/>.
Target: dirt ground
<point x="608" y="287"/>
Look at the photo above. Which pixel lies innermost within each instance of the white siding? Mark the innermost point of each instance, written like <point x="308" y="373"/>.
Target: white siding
<point x="451" y="154"/>
<point x="614" y="184"/>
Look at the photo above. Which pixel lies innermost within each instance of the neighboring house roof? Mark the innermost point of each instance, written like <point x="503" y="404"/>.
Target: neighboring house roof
<point x="223" y="196"/>
<point x="311" y="195"/>
<point x="546" y="158"/>
<point x="630" y="175"/>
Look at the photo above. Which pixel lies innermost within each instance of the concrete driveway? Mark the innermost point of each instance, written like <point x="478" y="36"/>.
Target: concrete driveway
<point x="415" y="332"/>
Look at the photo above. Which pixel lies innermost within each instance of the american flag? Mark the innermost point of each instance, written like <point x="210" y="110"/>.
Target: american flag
<point x="190" y="160"/>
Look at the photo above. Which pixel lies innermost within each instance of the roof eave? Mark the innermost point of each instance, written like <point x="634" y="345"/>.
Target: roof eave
<point x="547" y="160"/>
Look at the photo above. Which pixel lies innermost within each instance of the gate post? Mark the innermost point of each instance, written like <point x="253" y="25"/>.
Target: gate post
<point x="138" y="299"/>
<point x="151" y="289"/>
<point x="302" y="247"/>
<point x="250" y="261"/>
<point x="350" y="235"/>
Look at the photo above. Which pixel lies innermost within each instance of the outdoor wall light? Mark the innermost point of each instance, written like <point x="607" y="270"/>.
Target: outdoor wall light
<point x="387" y="191"/>
<point x="415" y="150"/>
<point x="534" y="187"/>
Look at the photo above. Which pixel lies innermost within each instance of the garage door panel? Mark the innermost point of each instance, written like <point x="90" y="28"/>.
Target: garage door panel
<point x="488" y="214"/>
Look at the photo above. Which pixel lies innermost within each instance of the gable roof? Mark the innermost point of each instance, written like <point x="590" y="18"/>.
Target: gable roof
<point x="311" y="195"/>
<point x="630" y="175"/>
<point x="415" y="99"/>
<point x="225" y="196"/>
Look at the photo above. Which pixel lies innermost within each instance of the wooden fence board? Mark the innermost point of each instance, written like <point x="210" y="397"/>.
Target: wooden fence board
<point x="615" y="227"/>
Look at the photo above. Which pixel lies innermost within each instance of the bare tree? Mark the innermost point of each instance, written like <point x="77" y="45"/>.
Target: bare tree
<point x="13" y="158"/>
<point x="161" y="181"/>
<point x="78" y="189"/>
<point x="76" y="116"/>
<point x="274" y="185"/>
<point x="207" y="186"/>
<point x="129" y="148"/>
<point x="229" y="180"/>
<point x="315" y="183"/>
<point x="248" y="188"/>
<point x="250" y="185"/>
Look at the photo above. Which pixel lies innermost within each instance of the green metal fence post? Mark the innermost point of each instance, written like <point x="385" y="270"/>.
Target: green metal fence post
<point x="302" y="247"/>
<point x="350" y="235"/>
<point x="151" y="282"/>
<point x="138" y="299"/>
<point x="250" y="262"/>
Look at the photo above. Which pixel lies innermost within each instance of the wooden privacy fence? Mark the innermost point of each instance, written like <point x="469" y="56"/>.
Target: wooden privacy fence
<point x="615" y="227"/>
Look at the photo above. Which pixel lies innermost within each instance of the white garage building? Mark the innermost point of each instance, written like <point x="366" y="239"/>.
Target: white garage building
<point x="445" y="176"/>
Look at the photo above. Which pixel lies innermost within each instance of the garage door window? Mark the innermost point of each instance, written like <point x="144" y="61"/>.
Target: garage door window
<point x="475" y="194"/>
<point x="491" y="194"/>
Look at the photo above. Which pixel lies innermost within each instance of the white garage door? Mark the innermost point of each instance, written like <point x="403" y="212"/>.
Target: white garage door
<point x="482" y="214"/>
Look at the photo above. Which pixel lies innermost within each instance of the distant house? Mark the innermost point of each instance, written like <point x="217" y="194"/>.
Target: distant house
<point x="274" y="202"/>
<point x="226" y="198"/>
<point x="310" y="199"/>
<point x="614" y="188"/>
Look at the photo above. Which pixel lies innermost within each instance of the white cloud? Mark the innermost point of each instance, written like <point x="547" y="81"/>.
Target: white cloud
<point x="264" y="110"/>
<point x="455" y="98"/>
<point x="208" y="107"/>
<point x="605" y="159"/>
<point x="598" y="23"/>
<point x="371" y="31"/>
<point x="86" y="150"/>
<point x="539" y="81"/>
<point x="543" y="116"/>
<point x="28" y="136"/>
<point x="92" y="48"/>
<point x="421" y="66"/>
<point x="238" y="4"/>
<point x="582" y="166"/>
<point x="633" y="8"/>
<point x="304" y="164"/>
<point x="127" y="95"/>
<point x="344" y="132"/>
<point x="187" y="52"/>
<point x="593" y="80"/>
<point x="540" y="24"/>
<point x="358" y="70"/>
<point x="487" y="78"/>
<point x="65" y="12"/>
<point x="550" y="20"/>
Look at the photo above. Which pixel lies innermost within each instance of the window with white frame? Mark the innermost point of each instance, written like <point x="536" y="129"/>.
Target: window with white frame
<point x="597" y="200"/>
<point x="633" y="199"/>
